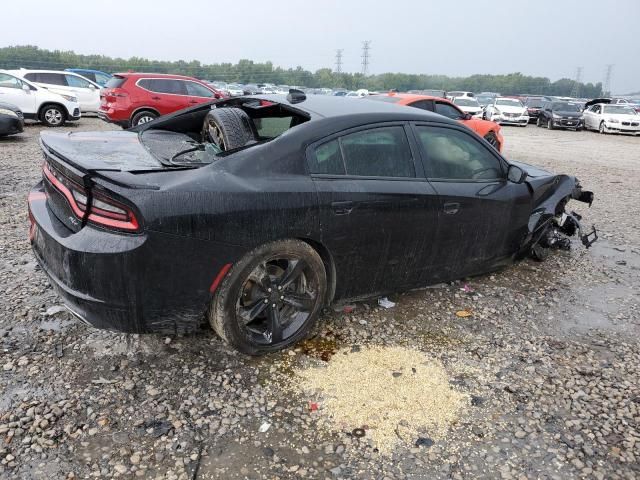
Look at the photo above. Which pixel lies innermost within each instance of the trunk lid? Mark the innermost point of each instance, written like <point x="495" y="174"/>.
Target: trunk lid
<point x="92" y="151"/>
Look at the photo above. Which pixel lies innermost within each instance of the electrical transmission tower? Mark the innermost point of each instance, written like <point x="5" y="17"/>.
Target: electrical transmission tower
<point x="339" y="60"/>
<point x="575" y="91"/>
<point x="366" y="46"/>
<point x="606" y="88"/>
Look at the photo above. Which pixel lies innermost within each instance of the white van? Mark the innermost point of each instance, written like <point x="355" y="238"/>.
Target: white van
<point x="38" y="103"/>
<point x="68" y="83"/>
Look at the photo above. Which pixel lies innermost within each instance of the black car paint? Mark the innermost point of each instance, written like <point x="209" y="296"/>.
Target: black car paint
<point x="375" y="235"/>
<point x="568" y="119"/>
<point x="11" y="124"/>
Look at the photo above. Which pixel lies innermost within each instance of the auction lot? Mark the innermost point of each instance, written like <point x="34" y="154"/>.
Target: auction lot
<point x="546" y="359"/>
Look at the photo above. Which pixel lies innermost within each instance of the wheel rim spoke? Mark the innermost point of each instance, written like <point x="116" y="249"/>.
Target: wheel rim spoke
<point x="294" y="270"/>
<point x="250" y="312"/>
<point x="300" y="301"/>
<point x="274" y="331"/>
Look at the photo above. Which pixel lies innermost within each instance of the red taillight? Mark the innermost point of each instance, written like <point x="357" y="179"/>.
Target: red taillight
<point x="103" y="210"/>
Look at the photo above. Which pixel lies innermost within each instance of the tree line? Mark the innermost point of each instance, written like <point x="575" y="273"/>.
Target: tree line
<point x="248" y="71"/>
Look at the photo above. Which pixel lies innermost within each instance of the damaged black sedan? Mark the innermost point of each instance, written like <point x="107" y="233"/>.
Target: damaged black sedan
<point x="259" y="211"/>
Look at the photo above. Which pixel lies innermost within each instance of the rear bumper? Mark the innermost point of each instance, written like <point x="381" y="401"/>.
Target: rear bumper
<point x="102" y="115"/>
<point x="122" y="282"/>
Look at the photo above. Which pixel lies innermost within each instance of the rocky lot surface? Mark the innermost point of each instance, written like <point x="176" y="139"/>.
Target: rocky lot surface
<point x="549" y="360"/>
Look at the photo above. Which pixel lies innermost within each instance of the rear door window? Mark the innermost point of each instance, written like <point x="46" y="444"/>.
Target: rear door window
<point x="163" y="85"/>
<point x="327" y="159"/>
<point x="48" y="78"/>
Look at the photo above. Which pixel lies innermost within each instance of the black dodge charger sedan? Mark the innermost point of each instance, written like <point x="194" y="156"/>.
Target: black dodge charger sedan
<point x="259" y="211"/>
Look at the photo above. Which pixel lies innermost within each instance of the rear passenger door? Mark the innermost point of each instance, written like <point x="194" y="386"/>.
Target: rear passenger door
<point x="377" y="211"/>
<point x="166" y="95"/>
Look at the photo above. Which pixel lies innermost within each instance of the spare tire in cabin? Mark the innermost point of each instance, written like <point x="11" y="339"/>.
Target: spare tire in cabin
<point x="228" y="128"/>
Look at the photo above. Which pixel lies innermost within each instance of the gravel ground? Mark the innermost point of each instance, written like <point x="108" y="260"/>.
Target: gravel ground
<point x="549" y="361"/>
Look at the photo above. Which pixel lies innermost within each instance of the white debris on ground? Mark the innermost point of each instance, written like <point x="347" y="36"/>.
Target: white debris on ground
<point x="396" y="394"/>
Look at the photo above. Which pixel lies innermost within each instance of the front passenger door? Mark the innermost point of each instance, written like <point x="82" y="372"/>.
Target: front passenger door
<point x="481" y="216"/>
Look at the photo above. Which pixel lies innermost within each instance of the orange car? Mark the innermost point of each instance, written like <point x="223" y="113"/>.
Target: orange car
<point x="488" y="130"/>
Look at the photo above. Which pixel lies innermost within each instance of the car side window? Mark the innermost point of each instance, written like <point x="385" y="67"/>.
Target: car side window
<point x="327" y="159"/>
<point x="423" y="105"/>
<point x="596" y="109"/>
<point x="77" y="82"/>
<point x="48" y="78"/>
<point x="455" y="155"/>
<point x="7" y="81"/>
<point x="448" y="110"/>
<point x="378" y="152"/>
<point x="196" y="90"/>
<point x="163" y="85"/>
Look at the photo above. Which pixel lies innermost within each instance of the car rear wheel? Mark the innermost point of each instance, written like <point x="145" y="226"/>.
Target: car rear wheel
<point x="538" y="122"/>
<point x="493" y="140"/>
<point x="145" y="116"/>
<point x="53" y="116"/>
<point x="271" y="298"/>
<point x="228" y="128"/>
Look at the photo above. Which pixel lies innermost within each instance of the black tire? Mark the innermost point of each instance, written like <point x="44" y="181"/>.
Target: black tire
<point x="53" y="115"/>
<point x="538" y="122"/>
<point x="142" y="117"/>
<point x="228" y="128"/>
<point x="549" y="124"/>
<point x="242" y="310"/>
<point x="493" y="140"/>
<point x="539" y="253"/>
<point x="601" y="129"/>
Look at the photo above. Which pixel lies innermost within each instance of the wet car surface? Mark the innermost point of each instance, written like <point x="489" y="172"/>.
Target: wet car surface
<point x="352" y="200"/>
<point x="548" y="357"/>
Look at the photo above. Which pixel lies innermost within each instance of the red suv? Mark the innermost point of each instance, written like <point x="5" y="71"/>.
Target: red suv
<point x="130" y="99"/>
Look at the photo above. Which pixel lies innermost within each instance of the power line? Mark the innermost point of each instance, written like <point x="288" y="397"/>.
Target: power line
<point x="606" y="89"/>
<point x="575" y="90"/>
<point x="339" y="60"/>
<point x="366" y="46"/>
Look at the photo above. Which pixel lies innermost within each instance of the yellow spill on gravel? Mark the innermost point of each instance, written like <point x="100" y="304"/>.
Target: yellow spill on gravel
<point x="397" y="394"/>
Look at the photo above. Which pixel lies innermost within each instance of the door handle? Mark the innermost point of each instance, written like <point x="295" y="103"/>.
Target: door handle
<point x="342" y="208"/>
<point x="155" y="98"/>
<point x="451" y="208"/>
<point x="194" y="101"/>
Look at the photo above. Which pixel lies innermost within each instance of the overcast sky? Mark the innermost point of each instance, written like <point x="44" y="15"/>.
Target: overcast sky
<point x="453" y="37"/>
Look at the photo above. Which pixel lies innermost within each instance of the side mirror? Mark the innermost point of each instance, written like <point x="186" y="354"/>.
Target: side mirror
<point x="516" y="174"/>
<point x="26" y="87"/>
<point x="467" y="116"/>
<point x="92" y="86"/>
<point x="217" y="95"/>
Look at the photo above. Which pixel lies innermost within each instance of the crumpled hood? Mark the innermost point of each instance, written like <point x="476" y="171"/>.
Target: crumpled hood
<point x="117" y="150"/>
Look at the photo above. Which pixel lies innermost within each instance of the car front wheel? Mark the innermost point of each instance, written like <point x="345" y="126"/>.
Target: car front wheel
<point x="602" y="128"/>
<point x="271" y="298"/>
<point x="53" y="116"/>
<point x="550" y="124"/>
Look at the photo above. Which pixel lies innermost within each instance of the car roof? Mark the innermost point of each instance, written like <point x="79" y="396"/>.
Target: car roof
<point x="330" y="106"/>
<point x="404" y="98"/>
<point x="76" y="70"/>
<point x="153" y="75"/>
